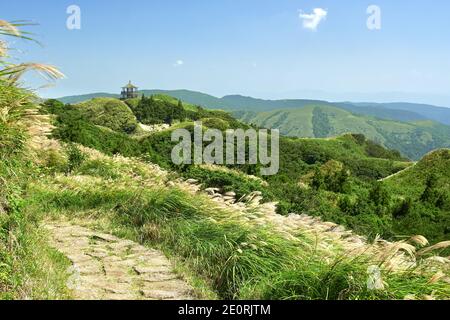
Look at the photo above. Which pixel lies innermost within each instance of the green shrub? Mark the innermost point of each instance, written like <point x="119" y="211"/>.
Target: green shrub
<point x="215" y="123"/>
<point x="75" y="157"/>
<point x="154" y="111"/>
<point x="110" y="113"/>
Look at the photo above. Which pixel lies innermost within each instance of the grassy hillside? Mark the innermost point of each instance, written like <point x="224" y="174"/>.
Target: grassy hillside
<point x="389" y="111"/>
<point x="334" y="178"/>
<point x="383" y="112"/>
<point x="406" y="129"/>
<point x="29" y="267"/>
<point x="192" y="97"/>
<point x="364" y="162"/>
<point x="110" y="113"/>
<point x="263" y="256"/>
<point x="424" y="193"/>
<point x="414" y="180"/>
<point x="412" y="139"/>
<point x="438" y="114"/>
<point x="240" y="251"/>
<point x="85" y="97"/>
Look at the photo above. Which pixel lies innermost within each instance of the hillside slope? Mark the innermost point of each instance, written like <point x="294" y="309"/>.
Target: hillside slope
<point x="413" y="139"/>
<point x="234" y="247"/>
<point x="439" y="114"/>
<point x="382" y="112"/>
<point x="407" y="128"/>
<point x="412" y="182"/>
<point x="334" y="178"/>
<point x="239" y="249"/>
<point x="364" y="162"/>
<point x="389" y="111"/>
<point x="424" y="193"/>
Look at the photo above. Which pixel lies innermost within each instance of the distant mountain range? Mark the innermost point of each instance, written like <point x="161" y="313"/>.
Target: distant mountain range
<point x="400" y="111"/>
<point x="413" y="129"/>
<point x="413" y="138"/>
<point x="391" y="111"/>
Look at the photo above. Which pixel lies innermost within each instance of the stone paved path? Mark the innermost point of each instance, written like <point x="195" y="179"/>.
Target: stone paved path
<point x="109" y="268"/>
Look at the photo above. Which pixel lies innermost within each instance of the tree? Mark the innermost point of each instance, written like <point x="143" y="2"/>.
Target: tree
<point x="380" y="197"/>
<point x="337" y="181"/>
<point x="345" y="204"/>
<point x="318" y="180"/>
<point x="430" y="194"/>
<point x="53" y="106"/>
<point x="168" y="120"/>
<point x="404" y="208"/>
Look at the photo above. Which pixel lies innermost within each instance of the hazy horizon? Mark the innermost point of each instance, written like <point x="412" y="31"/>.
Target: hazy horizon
<point x="393" y="97"/>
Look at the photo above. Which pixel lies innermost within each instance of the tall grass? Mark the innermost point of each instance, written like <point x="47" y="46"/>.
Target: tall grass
<point x="12" y="71"/>
<point x="237" y="260"/>
<point x="28" y="267"/>
<point x="26" y="262"/>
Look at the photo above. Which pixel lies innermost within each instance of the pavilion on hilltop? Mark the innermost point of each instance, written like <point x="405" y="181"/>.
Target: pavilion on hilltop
<point x="130" y="91"/>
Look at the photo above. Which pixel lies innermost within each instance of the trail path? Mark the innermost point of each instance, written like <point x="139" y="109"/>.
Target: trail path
<point x="398" y="173"/>
<point x="109" y="268"/>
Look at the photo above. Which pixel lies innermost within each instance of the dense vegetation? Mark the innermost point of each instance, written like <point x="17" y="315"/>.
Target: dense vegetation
<point x="26" y="261"/>
<point x="413" y="129"/>
<point x="110" y="113"/>
<point x="413" y="139"/>
<point x="423" y="195"/>
<point x="254" y="262"/>
<point x="154" y="111"/>
<point x="238" y="260"/>
<point x="336" y="179"/>
<point x="404" y="112"/>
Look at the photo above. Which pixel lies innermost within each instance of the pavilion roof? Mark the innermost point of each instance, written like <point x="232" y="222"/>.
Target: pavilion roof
<point x="130" y="86"/>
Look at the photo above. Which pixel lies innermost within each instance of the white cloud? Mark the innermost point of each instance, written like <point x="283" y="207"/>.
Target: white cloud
<point x="312" y="21"/>
<point x="178" y="63"/>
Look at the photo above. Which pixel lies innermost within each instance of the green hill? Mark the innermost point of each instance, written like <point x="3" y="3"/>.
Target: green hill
<point x="382" y="112"/>
<point x="364" y="160"/>
<point x="413" y="139"/>
<point x="439" y="114"/>
<point x="109" y="112"/>
<point x="424" y="193"/>
<point x="413" y="180"/>
<point x="413" y="129"/>
<point x="234" y="250"/>
<point x="334" y="178"/>
<point x="398" y="111"/>
<point x="85" y="97"/>
<point x="187" y="96"/>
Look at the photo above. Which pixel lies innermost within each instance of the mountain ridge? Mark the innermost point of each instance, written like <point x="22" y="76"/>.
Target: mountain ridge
<point x="400" y="111"/>
<point x="413" y="139"/>
<point x="414" y="132"/>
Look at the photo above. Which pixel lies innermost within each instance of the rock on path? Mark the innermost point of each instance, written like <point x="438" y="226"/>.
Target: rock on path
<point x="105" y="267"/>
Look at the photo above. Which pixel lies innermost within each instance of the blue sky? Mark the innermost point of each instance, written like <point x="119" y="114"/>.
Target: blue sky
<point x="250" y="47"/>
